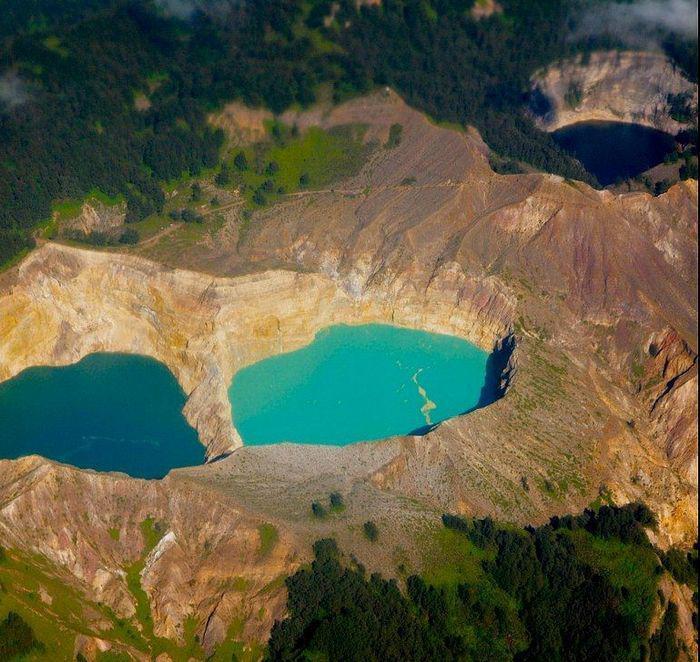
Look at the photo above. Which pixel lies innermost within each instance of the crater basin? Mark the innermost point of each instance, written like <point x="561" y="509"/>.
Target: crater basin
<point x="109" y="412"/>
<point x="614" y="150"/>
<point x="360" y="383"/>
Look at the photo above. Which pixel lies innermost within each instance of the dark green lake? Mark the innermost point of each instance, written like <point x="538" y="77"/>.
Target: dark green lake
<point x="360" y="383"/>
<point x="109" y="412"/>
<point x="614" y="150"/>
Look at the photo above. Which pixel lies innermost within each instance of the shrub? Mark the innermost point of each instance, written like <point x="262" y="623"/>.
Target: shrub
<point x="240" y="161"/>
<point x="223" y="178"/>
<point x="336" y="500"/>
<point x="663" y="644"/>
<point x="395" y="135"/>
<point x="680" y="565"/>
<point x="371" y="530"/>
<point x="318" y="510"/>
<point x="129" y="236"/>
<point x="16" y="637"/>
<point x="196" y="192"/>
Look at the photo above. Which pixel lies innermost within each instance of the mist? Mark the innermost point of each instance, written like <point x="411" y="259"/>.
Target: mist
<point x="639" y="23"/>
<point x="179" y="8"/>
<point x="13" y="90"/>
<point x="185" y="9"/>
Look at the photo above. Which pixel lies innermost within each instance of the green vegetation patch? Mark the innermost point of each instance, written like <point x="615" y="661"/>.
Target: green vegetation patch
<point x="577" y="588"/>
<point x="291" y="161"/>
<point x="268" y="538"/>
<point x="631" y="568"/>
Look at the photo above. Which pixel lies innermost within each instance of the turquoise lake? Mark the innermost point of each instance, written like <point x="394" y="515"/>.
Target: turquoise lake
<point x="109" y="412"/>
<point x="359" y="383"/>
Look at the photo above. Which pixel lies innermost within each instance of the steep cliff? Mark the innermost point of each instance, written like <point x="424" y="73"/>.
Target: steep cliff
<point x="624" y="86"/>
<point x="598" y="290"/>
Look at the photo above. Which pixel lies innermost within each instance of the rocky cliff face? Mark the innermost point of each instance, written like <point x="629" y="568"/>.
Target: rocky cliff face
<point x="599" y="291"/>
<point x="97" y="217"/>
<point x="65" y="303"/>
<point x="625" y="86"/>
<point x="212" y="562"/>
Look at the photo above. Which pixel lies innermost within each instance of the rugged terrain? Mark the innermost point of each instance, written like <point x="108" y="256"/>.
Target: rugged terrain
<point x="622" y="86"/>
<point x="597" y="291"/>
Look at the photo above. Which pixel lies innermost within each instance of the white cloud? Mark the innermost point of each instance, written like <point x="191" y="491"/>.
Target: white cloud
<point x="638" y="22"/>
<point x="13" y="90"/>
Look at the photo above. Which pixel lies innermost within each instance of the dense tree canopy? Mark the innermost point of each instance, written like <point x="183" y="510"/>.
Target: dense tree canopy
<point x="556" y="601"/>
<point x="114" y="94"/>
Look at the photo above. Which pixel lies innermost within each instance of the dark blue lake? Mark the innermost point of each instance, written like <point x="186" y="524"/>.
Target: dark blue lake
<point x="614" y="150"/>
<point x="109" y="412"/>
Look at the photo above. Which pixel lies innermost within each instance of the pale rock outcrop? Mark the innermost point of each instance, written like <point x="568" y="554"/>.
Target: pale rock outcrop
<point x="66" y="303"/>
<point x="97" y="217"/>
<point x="583" y="280"/>
<point x="624" y="86"/>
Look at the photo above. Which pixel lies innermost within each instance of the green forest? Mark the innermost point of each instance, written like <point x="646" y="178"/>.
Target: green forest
<point x="577" y="588"/>
<point x="112" y="95"/>
<point x="585" y="587"/>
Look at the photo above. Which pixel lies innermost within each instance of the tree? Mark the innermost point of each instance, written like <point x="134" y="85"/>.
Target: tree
<point x="196" y="192"/>
<point x="304" y="179"/>
<point x="259" y="198"/>
<point x="129" y="236"/>
<point x="223" y="177"/>
<point x="336" y="500"/>
<point x="272" y="168"/>
<point x="16" y="637"/>
<point x="663" y="645"/>
<point x="395" y="135"/>
<point x="318" y="510"/>
<point x="189" y="216"/>
<point x="240" y="161"/>
<point x="371" y="530"/>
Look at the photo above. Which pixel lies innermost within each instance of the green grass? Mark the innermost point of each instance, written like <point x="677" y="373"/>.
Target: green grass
<point x="152" y="532"/>
<point x="268" y="538"/>
<point x="24" y="579"/>
<point x="637" y="370"/>
<point x="239" y="584"/>
<point x="232" y="648"/>
<point x="64" y="210"/>
<point x="114" y="534"/>
<point x="451" y="559"/>
<point x="151" y="225"/>
<point x="21" y="580"/>
<point x="321" y="156"/>
<point x="603" y="499"/>
<point x="628" y="566"/>
<point x="97" y="195"/>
